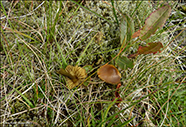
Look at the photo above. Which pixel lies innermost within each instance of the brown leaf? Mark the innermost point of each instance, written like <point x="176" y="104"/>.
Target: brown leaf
<point x="153" y="47"/>
<point x="150" y="48"/>
<point x="136" y="34"/>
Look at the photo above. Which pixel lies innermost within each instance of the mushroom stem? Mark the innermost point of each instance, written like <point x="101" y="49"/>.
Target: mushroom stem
<point x="64" y="73"/>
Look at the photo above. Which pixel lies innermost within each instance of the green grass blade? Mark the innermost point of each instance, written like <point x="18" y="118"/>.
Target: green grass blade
<point x="104" y="120"/>
<point x="27" y="100"/>
<point x="83" y="54"/>
<point x="92" y="117"/>
<point x="125" y="123"/>
<point x="114" y="11"/>
<point x="63" y="58"/>
<point x="136" y="8"/>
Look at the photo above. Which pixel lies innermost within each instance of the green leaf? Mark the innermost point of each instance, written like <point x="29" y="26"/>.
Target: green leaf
<point x="150" y="48"/>
<point x="88" y="68"/>
<point x="127" y="29"/>
<point x="155" y="20"/>
<point x="124" y="63"/>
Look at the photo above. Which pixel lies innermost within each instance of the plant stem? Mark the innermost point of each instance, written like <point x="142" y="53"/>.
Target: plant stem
<point x="64" y="73"/>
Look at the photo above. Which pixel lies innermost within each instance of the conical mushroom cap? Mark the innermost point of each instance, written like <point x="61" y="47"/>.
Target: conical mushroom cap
<point x="109" y="74"/>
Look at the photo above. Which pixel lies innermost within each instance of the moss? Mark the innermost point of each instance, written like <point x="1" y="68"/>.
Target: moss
<point x="73" y="32"/>
<point x="89" y="21"/>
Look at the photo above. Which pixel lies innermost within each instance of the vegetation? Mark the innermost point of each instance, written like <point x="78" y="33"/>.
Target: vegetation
<point x="40" y="37"/>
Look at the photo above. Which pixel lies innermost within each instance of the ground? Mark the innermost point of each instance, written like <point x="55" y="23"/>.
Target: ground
<point x="38" y="38"/>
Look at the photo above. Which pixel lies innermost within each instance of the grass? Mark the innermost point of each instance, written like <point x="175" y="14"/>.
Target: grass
<point x="38" y="38"/>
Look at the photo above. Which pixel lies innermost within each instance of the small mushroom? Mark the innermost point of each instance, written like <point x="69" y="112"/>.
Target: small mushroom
<point x="74" y="75"/>
<point x="109" y="74"/>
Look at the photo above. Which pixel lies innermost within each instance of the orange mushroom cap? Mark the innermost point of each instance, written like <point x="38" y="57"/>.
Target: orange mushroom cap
<point x="109" y="74"/>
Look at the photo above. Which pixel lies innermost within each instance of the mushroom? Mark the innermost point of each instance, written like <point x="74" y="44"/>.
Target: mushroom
<point x="109" y="74"/>
<point x="73" y="75"/>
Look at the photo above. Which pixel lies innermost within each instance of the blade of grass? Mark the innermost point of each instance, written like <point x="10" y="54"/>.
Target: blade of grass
<point x="111" y="122"/>
<point x="112" y="1"/>
<point x="136" y="8"/>
<point x="27" y="100"/>
<point x="105" y="114"/>
<point x="92" y="117"/>
<point x="9" y="94"/>
<point x="82" y="55"/>
<point x="125" y="123"/>
<point x="20" y="33"/>
<point x="63" y="58"/>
